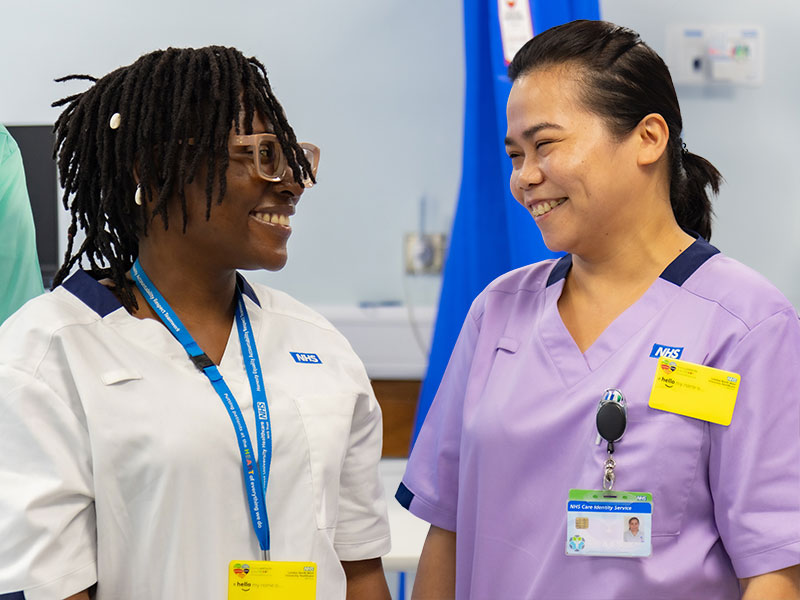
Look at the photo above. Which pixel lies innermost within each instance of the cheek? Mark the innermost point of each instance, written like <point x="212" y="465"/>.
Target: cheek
<point x="514" y="185"/>
<point x="556" y="168"/>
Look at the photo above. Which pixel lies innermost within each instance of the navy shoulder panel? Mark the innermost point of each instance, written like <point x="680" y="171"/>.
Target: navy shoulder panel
<point x="680" y="269"/>
<point x="246" y="288"/>
<point x="560" y="270"/>
<point x="93" y="294"/>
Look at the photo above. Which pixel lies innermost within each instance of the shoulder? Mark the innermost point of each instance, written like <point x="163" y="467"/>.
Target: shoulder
<point x="28" y="334"/>
<point x="301" y="323"/>
<point x="739" y="290"/>
<point x="284" y="306"/>
<point x="8" y="146"/>
<point x="524" y="282"/>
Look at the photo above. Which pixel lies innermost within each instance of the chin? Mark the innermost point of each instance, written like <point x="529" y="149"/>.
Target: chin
<point x="276" y="264"/>
<point x="556" y="244"/>
<point x="273" y="263"/>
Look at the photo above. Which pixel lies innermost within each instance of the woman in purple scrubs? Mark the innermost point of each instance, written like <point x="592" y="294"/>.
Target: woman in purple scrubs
<point x="594" y="141"/>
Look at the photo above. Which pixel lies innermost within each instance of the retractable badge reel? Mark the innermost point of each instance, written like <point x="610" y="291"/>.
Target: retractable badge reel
<point x="605" y="522"/>
<point x="612" y="418"/>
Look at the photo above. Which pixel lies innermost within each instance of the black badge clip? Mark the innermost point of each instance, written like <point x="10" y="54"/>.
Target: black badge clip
<point x="612" y="417"/>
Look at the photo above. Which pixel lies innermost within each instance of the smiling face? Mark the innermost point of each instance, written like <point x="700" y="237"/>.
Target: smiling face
<point x="249" y="229"/>
<point x="571" y="173"/>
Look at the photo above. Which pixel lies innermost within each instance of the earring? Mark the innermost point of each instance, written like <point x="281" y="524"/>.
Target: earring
<point x="137" y="196"/>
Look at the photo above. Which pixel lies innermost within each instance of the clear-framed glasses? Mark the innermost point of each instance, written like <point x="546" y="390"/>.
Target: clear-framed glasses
<point x="270" y="162"/>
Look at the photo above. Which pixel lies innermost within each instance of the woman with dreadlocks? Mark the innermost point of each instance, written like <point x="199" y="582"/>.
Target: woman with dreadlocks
<point x="166" y="426"/>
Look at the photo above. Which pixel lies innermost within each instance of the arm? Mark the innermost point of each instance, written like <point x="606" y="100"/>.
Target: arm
<point x="84" y="595"/>
<point x="436" y="574"/>
<point x="754" y="463"/>
<point x="777" y="585"/>
<point x="365" y="580"/>
<point x="47" y="499"/>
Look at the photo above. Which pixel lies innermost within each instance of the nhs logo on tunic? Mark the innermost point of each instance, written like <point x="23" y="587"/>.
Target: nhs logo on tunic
<point x="306" y="358"/>
<point x="660" y="351"/>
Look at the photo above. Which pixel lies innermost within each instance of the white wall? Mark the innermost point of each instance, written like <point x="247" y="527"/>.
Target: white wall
<point x="750" y="134"/>
<point x="377" y="85"/>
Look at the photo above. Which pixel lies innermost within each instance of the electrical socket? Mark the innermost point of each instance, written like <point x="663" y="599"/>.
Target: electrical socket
<point x="424" y="253"/>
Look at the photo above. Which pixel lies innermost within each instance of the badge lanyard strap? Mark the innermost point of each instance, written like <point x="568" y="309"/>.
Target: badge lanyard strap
<point x="256" y="486"/>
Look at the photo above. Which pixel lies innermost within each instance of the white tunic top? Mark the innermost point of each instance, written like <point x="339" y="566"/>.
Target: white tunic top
<point x="119" y="464"/>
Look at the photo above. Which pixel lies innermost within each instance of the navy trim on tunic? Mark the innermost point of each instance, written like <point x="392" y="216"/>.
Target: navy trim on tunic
<point x="404" y="496"/>
<point x="561" y="269"/>
<point x="677" y="272"/>
<point x="93" y="294"/>
<point x="691" y="259"/>
<point x="102" y="301"/>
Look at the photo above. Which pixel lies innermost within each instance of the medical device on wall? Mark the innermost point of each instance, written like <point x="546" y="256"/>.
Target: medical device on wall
<point x="715" y="54"/>
<point x="424" y="252"/>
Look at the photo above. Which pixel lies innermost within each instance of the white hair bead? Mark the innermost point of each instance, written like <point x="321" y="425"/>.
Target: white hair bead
<point x="116" y="119"/>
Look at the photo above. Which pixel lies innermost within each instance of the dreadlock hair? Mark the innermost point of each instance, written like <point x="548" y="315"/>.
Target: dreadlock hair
<point x="177" y="107"/>
<point x="623" y="80"/>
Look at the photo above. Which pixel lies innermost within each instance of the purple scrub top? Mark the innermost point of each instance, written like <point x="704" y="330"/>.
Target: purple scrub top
<point x="512" y="429"/>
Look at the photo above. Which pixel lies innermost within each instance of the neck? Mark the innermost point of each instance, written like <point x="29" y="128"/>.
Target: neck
<point x="194" y="292"/>
<point x="637" y="258"/>
<point x="637" y="246"/>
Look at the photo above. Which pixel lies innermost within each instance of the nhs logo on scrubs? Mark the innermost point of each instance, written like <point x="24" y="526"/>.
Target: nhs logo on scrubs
<point x="659" y="351"/>
<point x="306" y="358"/>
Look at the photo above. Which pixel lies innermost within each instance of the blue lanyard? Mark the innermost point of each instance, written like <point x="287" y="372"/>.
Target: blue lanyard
<point x="256" y="486"/>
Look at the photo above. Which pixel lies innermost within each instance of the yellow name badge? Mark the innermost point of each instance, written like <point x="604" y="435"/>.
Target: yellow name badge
<point x="694" y="390"/>
<point x="276" y="580"/>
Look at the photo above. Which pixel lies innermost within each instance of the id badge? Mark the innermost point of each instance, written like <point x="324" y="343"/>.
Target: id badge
<point x="695" y="391"/>
<point x="609" y="523"/>
<point x="276" y="580"/>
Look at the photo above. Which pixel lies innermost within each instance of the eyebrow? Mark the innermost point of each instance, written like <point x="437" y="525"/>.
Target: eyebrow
<point x="533" y="130"/>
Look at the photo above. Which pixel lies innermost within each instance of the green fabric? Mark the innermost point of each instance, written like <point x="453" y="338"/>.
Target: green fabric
<point x="20" y="277"/>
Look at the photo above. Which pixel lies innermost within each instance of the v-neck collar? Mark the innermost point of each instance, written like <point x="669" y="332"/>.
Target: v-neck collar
<point x="574" y="365"/>
<point x="150" y="333"/>
<point x="101" y="300"/>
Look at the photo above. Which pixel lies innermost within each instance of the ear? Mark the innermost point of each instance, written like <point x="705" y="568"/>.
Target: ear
<point x="653" y="134"/>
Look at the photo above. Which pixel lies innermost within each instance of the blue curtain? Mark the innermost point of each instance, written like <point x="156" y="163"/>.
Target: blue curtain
<point x="491" y="234"/>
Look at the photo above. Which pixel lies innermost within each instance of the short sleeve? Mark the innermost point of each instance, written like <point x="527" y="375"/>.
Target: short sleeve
<point x="47" y="519"/>
<point x="362" y="529"/>
<point x="754" y="464"/>
<point x="430" y="485"/>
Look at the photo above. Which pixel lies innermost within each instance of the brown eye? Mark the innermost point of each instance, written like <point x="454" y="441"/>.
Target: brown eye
<point x="267" y="153"/>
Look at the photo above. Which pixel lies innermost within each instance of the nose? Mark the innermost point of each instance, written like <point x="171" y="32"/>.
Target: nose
<point x="288" y="186"/>
<point x="530" y="174"/>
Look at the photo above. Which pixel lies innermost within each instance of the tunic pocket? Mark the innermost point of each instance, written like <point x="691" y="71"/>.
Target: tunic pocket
<point x="667" y="450"/>
<point x="327" y="419"/>
<point x="113" y="376"/>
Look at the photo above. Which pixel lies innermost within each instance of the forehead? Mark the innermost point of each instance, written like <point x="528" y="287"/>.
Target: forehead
<point x="260" y="123"/>
<point x="546" y="95"/>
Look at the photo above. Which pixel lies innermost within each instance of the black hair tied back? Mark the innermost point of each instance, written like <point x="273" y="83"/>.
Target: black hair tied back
<point x="623" y="80"/>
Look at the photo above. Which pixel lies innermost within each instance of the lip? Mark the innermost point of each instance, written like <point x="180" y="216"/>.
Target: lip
<point x="533" y="204"/>
<point x="283" y="210"/>
<point x="275" y="209"/>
